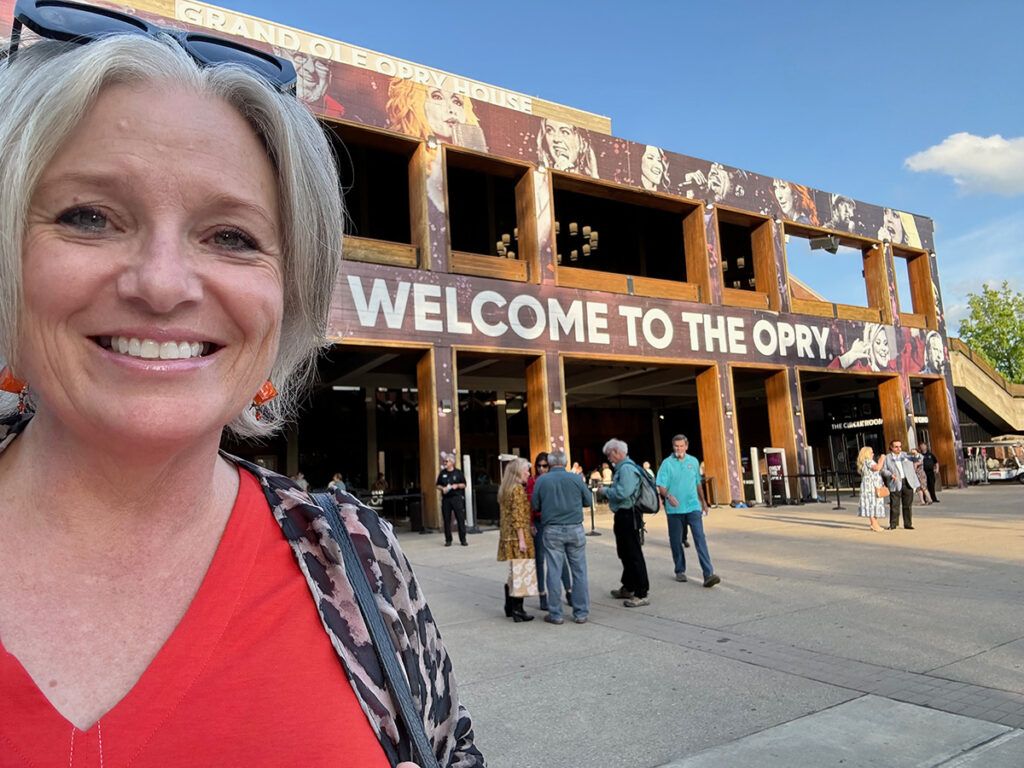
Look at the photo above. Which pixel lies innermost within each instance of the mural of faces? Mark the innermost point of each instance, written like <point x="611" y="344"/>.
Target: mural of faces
<point x="843" y="210"/>
<point x="654" y="170"/>
<point x="313" y="78"/>
<point x="892" y="226"/>
<point x="564" y="147"/>
<point x="444" y="112"/>
<point x="935" y="353"/>
<point x="794" y="202"/>
<point x="716" y="185"/>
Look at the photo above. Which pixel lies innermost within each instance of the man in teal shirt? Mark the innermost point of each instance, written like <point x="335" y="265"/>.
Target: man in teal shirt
<point x="679" y="485"/>
<point x="622" y="495"/>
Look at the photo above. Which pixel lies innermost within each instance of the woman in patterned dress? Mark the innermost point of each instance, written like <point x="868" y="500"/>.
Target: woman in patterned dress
<point x="515" y="541"/>
<point x="872" y="506"/>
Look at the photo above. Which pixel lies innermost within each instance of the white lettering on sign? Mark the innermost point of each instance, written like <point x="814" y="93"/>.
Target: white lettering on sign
<point x="251" y="28"/>
<point x="379" y="303"/>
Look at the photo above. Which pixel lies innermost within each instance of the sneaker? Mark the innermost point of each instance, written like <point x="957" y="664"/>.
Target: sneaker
<point x="680" y="577"/>
<point x="711" y="580"/>
<point x="636" y="602"/>
<point x="621" y="594"/>
<point x="554" y="620"/>
<point x="581" y="620"/>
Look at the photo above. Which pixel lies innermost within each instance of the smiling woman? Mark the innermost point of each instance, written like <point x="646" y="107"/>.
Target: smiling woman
<point x="172" y="231"/>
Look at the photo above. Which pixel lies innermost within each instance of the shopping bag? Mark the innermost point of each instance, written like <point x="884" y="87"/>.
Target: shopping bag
<point x="523" y="578"/>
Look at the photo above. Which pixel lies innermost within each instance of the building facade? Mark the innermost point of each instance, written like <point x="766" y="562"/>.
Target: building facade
<point x="519" y="279"/>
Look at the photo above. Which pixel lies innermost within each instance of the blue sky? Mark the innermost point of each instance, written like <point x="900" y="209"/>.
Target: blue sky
<point x="834" y="95"/>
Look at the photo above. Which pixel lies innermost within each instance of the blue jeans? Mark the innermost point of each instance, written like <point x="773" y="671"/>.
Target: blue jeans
<point x="567" y="543"/>
<point x="538" y="548"/>
<point x="677" y="530"/>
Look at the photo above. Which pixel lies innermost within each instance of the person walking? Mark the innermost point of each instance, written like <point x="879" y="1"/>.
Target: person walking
<point x="872" y="506"/>
<point x="930" y="462"/>
<point x="679" y="484"/>
<point x="514" y="541"/>
<point x="621" y="494"/>
<point x="901" y="478"/>
<point x="560" y="497"/>
<point x="452" y="484"/>
<point x="540" y="467"/>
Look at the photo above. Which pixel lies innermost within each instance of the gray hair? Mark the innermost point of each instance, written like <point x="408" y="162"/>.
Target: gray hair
<point x="50" y="88"/>
<point x="615" y="445"/>
<point x="556" y="459"/>
<point x="684" y="438"/>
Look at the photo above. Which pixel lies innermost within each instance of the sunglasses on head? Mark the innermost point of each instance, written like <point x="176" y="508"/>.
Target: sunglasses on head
<point x="80" y="24"/>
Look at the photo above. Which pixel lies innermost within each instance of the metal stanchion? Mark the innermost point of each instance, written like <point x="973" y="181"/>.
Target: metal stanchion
<point x="839" y="504"/>
<point x="593" y="530"/>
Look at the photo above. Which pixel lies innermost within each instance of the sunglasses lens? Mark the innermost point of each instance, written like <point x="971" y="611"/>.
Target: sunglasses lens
<point x="210" y="50"/>
<point x="84" y="23"/>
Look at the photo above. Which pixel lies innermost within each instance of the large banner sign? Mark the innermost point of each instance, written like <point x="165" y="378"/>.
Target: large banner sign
<point x="388" y="303"/>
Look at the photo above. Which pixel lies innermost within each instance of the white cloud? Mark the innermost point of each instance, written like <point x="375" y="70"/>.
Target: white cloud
<point x="989" y="254"/>
<point x="976" y="163"/>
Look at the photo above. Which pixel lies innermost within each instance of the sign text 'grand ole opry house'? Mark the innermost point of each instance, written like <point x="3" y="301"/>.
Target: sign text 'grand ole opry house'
<point x="518" y="279"/>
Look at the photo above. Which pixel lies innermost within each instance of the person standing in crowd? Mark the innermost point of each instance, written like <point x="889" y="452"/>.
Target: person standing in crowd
<point x="606" y="474"/>
<point x="452" y="483"/>
<point x="560" y="497"/>
<point x="515" y="541"/>
<point x="577" y="468"/>
<point x="679" y="485"/>
<point x="872" y="506"/>
<point x="901" y="478"/>
<point x="930" y="462"/>
<point x="922" y="478"/>
<point x="648" y="470"/>
<point x="621" y="494"/>
<point x="540" y="467"/>
<point x="337" y="483"/>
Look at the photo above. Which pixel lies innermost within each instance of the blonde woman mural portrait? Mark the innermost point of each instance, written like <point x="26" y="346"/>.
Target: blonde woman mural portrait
<point x="418" y="110"/>
<point x="564" y="147"/>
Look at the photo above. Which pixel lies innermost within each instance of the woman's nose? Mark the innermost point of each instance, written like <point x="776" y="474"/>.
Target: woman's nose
<point x="162" y="276"/>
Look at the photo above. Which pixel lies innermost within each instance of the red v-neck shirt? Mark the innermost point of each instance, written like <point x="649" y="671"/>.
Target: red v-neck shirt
<point x="248" y="677"/>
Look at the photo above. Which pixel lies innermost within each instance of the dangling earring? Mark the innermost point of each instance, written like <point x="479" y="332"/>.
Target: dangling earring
<point x="9" y="383"/>
<point x="267" y="393"/>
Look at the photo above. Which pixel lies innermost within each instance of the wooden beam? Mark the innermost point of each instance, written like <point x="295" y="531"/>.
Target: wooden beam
<point x="940" y="429"/>
<point x="894" y="419"/>
<point x="922" y="295"/>
<point x="766" y="273"/>
<point x="780" y="422"/>
<point x="698" y="271"/>
<point x="430" y="449"/>
<point x="539" y="405"/>
<point x="876" y="281"/>
<point x="419" y="221"/>
<point x="528" y="245"/>
<point x="712" y="430"/>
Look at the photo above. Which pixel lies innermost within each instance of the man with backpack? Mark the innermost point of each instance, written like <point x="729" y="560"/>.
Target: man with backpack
<point x="622" y="497"/>
<point x="679" y="485"/>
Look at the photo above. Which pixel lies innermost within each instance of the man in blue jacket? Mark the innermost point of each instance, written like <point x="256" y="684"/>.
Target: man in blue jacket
<point x="560" y="497"/>
<point x="621" y="495"/>
<point x="679" y="485"/>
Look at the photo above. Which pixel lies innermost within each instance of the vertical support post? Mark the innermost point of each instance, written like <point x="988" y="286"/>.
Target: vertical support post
<point x="435" y="380"/>
<point x="713" y="425"/>
<point x="940" y="426"/>
<point x="780" y="421"/>
<point x="894" y="417"/>
<point x="371" y="436"/>
<point x="755" y="474"/>
<point x="766" y="264"/>
<point x="544" y="388"/>
<point x="781" y="269"/>
<point x="699" y="266"/>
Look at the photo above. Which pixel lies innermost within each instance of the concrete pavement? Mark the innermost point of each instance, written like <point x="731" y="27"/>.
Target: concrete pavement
<point x="826" y="644"/>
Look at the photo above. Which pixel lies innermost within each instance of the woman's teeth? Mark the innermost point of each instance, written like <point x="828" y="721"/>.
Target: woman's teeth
<point x="148" y="349"/>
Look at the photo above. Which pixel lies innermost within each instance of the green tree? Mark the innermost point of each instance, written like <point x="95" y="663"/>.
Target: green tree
<point x="995" y="327"/>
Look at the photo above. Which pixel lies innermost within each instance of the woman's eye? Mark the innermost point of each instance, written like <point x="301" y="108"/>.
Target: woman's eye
<point x="233" y="240"/>
<point x="85" y="219"/>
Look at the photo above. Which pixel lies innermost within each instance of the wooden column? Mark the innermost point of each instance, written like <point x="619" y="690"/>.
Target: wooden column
<point x="781" y="268"/>
<point x="877" y="282"/>
<point x="940" y="427"/>
<point x="718" y="447"/>
<point x="435" y="380"/>
<point x="919" y="274"/>
<point x="544" y="388"/>
<point x="698" y="267"/>
<point x="535" y="220"/>
<point x="780" y="422"/>
<point x="894" y="417"/>
<point x="419" y="214"/>
<point x="766" y="263"/>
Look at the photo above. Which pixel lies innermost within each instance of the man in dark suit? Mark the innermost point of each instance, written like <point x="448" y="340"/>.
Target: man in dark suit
<point x="900" y="477"/>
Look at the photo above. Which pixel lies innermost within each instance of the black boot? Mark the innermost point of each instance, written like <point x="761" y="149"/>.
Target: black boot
<point x="518" y="614"/>
<point x="509" y="603"/>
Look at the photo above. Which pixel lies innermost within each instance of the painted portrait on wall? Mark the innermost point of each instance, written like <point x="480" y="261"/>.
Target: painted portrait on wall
<point x="873" y="350"/>
<point x="717" y="184"/>
<point x="792" y="202"/>
<point x="842" y="214"/>
<point x="313" y="79"/>
<point x="899" y="228"/>
<point x="565" y="147"/>
<point x="649" y="168"/>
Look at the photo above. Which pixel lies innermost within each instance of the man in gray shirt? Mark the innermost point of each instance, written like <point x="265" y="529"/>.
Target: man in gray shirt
<point x="560" y="497"/>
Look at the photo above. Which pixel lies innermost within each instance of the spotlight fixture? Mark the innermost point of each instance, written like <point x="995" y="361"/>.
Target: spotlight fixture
<point x="828" y="243"/>
<point x="556" y="406"/>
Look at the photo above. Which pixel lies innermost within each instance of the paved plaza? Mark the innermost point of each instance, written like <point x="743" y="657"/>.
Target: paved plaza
<point x="825" y="645"/>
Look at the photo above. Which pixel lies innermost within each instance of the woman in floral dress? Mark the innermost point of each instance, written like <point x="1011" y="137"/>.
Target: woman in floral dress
<point x="872" y="506"/>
